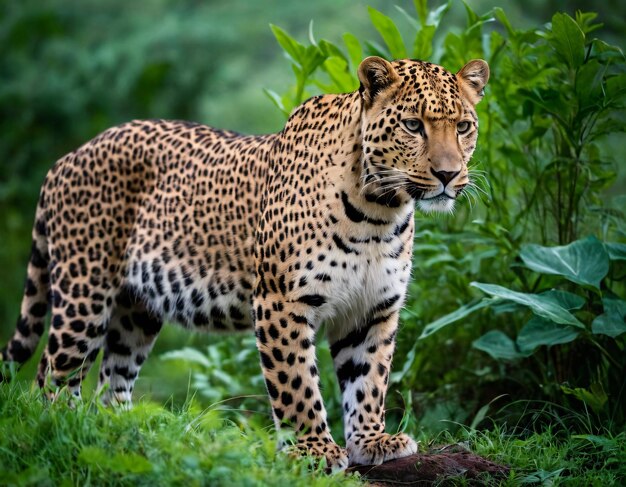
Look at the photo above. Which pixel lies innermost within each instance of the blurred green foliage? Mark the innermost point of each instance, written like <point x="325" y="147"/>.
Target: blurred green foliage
<point x="550" y="159"/>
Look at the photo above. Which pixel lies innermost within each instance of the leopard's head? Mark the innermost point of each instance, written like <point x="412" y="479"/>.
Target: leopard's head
<point x="419" y="129"/>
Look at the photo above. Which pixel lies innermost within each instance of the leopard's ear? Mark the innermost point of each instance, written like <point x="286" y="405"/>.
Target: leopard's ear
<point x="473" y="77"/>
<point x="375" y="74"/>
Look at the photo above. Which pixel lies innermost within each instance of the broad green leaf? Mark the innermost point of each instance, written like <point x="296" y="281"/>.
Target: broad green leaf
<point x="602" y="441"/>
<point x="472" y="17"/>
<point x="355" y="52"/>
<point x="293" y="48"/>
<point x="616" y="86"/>
<point x="589" y="84"/>
<point x="568" y="39"/>
<point x="611" y="324"/>
<point x="567" y="300"/>
<point x="456" y="315"/>
<point x="389" y="32"/>
<point x="540" y="305"/>
<point x="616" y="251"/>
<point x="539" y="331"/>
<point x="613" y="321"/>
<point x="312" y="58"/>
<point x="421" y="7"/>
<point x="614" y="305"/>
<point x="337" y="69"/>
<point x="502" y="18"/>
<point x="498" y="345"/>
<point x="583" y="261"/>
<point x="594" y="396"/>
<point x="423" y="44"/>
<point x="329" y="49"/>
<point x="188" y="354"/>
<point x="375" y="49"/>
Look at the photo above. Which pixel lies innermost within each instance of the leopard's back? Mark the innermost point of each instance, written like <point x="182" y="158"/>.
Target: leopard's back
<point x="167" y="211"/>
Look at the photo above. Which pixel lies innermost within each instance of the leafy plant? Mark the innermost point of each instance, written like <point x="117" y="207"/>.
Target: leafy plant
<point x="582" y="308"/>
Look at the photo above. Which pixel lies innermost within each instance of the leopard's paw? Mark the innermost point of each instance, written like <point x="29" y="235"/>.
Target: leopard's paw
<point x="322" y="447"/>
<point x="376" y="448"/>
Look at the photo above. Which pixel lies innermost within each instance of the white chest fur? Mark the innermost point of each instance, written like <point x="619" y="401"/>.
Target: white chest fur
<point x="368" y="266"/>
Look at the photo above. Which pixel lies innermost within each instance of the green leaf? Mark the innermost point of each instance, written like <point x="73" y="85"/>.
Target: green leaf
<point x="421" y="7"/>
<point x="456" y="315"/>
<point x="584" y="262"/>
<point x="472" y="17"/>
<point x="337" y="69"/>
<point x="355" y="52"/>
<point x="616" y="251"/>
<point x="293" y="48"/>
<point x="611" y="324"/>
<point x="389" y="32"/>
<point x="614" y="305"/>
<point x="311" y="36"/>
<point x="568" y="39"/>
<point x="423" y="44"/>
<point x="565" y="299"/>
<point x="502" y="18"/>
<point x="329" y="49"/>
<point x="589" y="84"/>
<point x="613" y="321"/>
<point x="129" y="462"/>
<point x="435" y="16"/>
<point x="595" y="397"/>
<point x="94" y="456"/>
<point x="189" y="355"/>
<point x="498" y="345"/>
<point x="312" y="58"/>
<point x="539" y="331"/>
<point x="540" y="305"/>
<point x="276" y="99"/>
<point x="616" y="86"/>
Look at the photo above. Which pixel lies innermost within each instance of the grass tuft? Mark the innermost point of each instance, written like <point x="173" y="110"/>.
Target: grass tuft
<point x="52" y="444"/>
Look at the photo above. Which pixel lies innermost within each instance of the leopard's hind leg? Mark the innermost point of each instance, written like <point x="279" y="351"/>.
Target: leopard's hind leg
<point x="81" y="308"/>
<point x="129" y="339"/>
<point x="34" y="307"/>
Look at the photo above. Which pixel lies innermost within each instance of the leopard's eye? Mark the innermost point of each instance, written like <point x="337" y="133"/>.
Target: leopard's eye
<point x="463" y="127"/>
<point x="414" y="125"/>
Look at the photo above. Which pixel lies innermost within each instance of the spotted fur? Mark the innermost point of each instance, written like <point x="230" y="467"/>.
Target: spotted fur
<point x="279" y="233"/>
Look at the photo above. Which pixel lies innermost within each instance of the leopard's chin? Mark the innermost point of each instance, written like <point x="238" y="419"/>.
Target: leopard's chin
<point x="438" y="204"/>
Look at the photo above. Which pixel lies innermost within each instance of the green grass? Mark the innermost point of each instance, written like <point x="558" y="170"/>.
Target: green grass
<point x="52" y="444"/>
<point x="549" y="458"/>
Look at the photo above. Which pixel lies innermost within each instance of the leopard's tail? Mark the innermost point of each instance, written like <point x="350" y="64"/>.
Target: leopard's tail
<point x="35" y="302"/>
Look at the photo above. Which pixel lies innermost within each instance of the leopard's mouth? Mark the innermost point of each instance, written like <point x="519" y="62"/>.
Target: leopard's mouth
<point x="421" y="193"/>
<point x="443" y="196"/>
<point x="442" y="202"/>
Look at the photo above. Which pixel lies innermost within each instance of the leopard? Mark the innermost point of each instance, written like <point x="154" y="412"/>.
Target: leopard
<point x="279" y="234"/>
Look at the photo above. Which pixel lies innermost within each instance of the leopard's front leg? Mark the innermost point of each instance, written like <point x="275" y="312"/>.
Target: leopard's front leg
<point x="362" y="360"/>
<point x="286" y="341"/>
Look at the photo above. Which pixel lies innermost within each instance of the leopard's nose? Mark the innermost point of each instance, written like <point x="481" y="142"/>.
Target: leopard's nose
<point x="444" y="176"/>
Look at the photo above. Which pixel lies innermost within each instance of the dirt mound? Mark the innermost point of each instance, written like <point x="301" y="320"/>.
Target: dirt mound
<point x="437" y="465"/>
